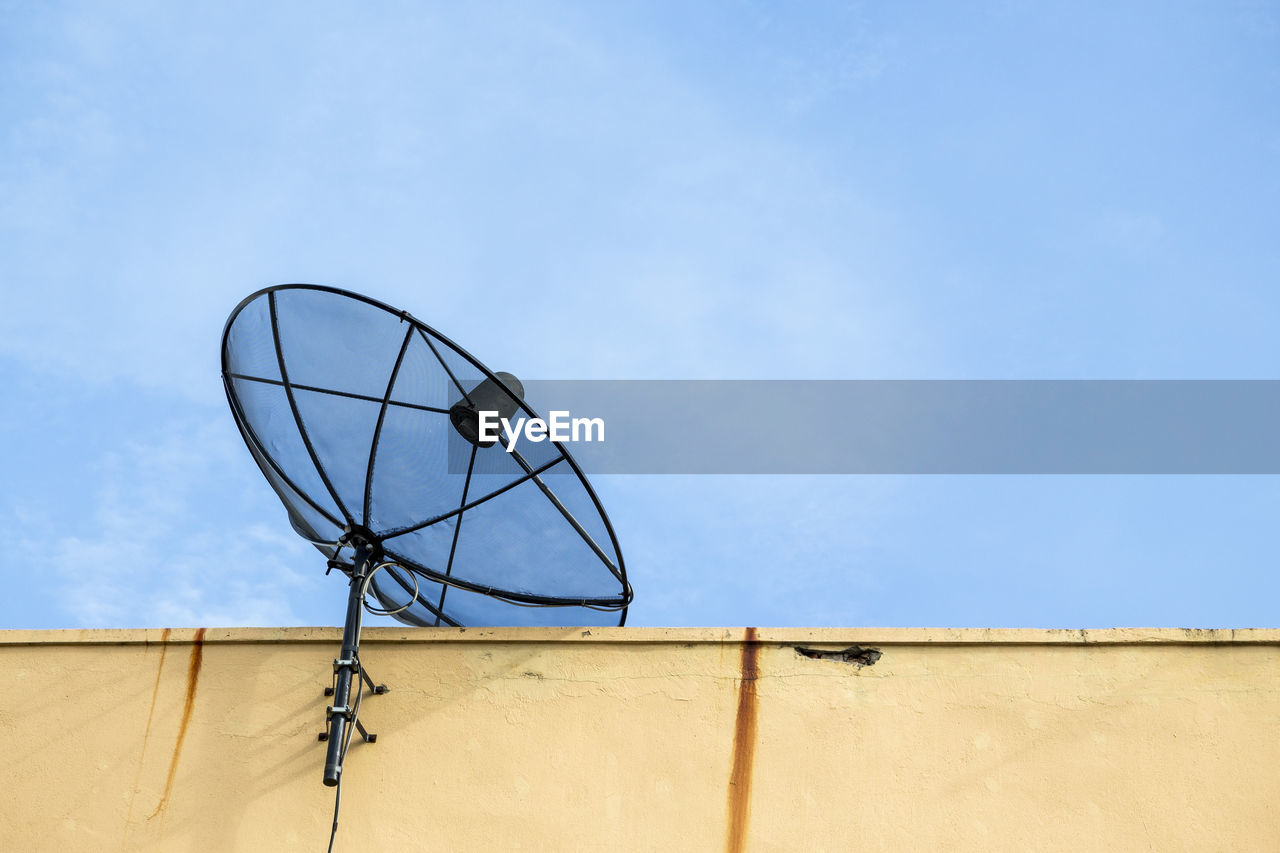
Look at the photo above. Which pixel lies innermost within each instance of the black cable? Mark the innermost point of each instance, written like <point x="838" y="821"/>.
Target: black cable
<point x="337" y="803"/>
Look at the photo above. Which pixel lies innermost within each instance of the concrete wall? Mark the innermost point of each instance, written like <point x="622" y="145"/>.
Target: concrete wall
<point x="646" y="739"/>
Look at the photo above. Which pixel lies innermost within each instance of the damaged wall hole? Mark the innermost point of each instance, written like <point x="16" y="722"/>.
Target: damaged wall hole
<point x="856" y="655"/>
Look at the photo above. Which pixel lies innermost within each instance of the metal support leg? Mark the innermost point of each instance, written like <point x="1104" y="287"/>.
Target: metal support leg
<point x="368" y="738"/>
<point x="378" y="689"/>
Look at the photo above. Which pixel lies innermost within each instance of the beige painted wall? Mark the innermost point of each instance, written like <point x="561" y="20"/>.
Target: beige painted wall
<point x="645" y="739"/>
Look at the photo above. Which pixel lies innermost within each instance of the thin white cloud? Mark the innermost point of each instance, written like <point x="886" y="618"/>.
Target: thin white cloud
<point x="419" y="158"/>
<point x="164" y="549"/>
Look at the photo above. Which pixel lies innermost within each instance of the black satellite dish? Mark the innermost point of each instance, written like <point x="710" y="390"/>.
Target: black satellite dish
<point x="365" y="422"/>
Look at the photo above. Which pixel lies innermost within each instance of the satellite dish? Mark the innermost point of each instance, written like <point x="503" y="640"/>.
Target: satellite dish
<point x="365" y="422"/>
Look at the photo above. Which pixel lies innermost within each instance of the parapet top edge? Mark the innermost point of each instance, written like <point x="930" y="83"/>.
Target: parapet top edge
<point x="650" y="636"/>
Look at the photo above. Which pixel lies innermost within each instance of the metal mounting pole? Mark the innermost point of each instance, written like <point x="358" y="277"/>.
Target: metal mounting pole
<point x="341" y="712"/>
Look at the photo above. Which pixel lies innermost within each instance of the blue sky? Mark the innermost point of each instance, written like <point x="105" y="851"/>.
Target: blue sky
<point x="583" y="190"/>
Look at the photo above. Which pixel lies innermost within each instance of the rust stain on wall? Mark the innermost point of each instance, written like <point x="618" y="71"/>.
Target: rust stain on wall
<point x="193" y="678"/>
<point x="146" y="732"/>
<point x="155" y="689"/>
<point x="744" y="744"/>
